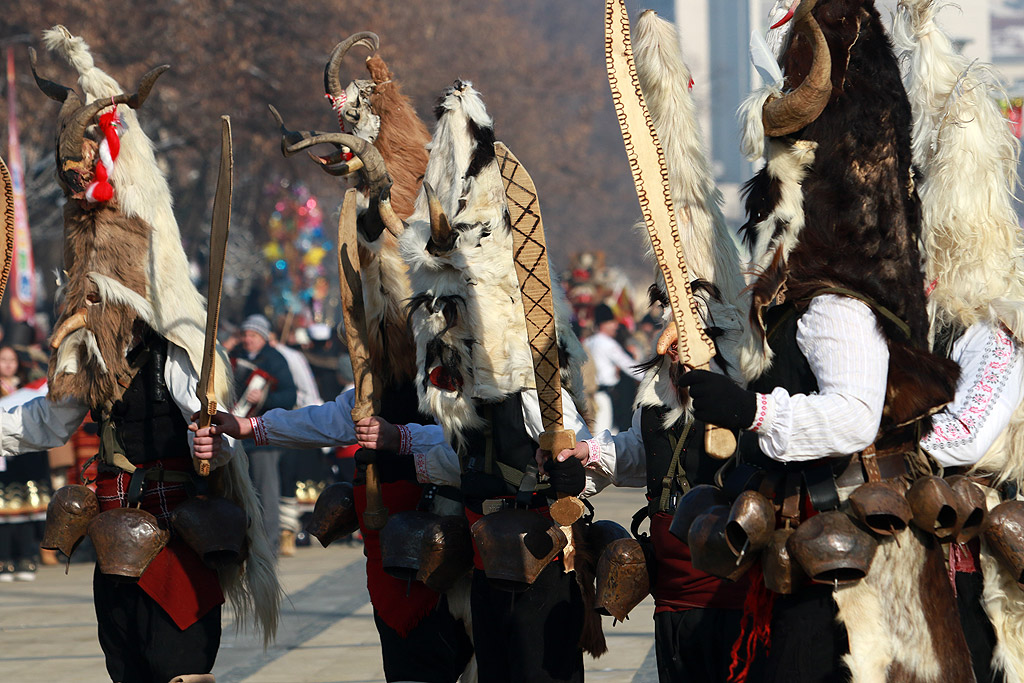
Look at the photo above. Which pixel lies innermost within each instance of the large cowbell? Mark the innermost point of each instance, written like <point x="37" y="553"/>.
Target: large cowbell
<point x="214" y="527"/>
<point x="334" y="515"/>
<point x="424" y="546"/>
<point x="126" y="541"/>
<point x="515" y="547"/>
<point x="68" y="516"/>
<point x="622" y="578"/>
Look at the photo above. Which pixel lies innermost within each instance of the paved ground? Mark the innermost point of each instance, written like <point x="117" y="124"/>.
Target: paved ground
<point x="47" y="627"/>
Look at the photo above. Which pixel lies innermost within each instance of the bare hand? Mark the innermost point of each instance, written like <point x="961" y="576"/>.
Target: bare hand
<point x="581" y="452"/>
<point x="206" y="444"/>
<point x="376" y="433"/>
<point x="253" y="396"/>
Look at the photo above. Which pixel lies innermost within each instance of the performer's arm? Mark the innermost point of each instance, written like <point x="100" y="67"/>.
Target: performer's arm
<point x="849" y="358"/>
<point x="329" y="424"/>
<point x="619" y="457"/>
<point x="39" y="424"/>
<point x="991" y="387"/>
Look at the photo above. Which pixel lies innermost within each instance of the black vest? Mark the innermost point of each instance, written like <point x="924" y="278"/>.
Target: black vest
<point x="504" y="440"/>
<point x="696" y="466"/>
<point x="148" y="422"/>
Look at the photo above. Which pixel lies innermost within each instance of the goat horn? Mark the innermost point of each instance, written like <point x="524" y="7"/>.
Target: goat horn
<point x="294" y="141"/>
<point x="391" y="220"/>
<point x="76" y="322"/>
<point x="72" y="136"/>
<point x="55" y="91"/>
<point x="338" y="168"/>
<point x="442" y="237"/>
<point x="790" y="113"/>
<point x="332" y="80"/>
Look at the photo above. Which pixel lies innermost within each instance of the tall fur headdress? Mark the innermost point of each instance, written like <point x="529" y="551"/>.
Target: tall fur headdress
<point x="467" y="311"/>
<point x="711" y="253"/>
<point x="836" y="206"/>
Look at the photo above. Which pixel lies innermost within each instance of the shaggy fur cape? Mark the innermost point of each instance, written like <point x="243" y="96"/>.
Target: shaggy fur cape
<point x="157" y="289"/>
<point x="972" y="244"/>
<point x="836" y="205"/>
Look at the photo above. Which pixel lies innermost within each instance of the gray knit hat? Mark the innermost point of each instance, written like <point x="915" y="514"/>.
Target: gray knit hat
<point x="258" y="324"/>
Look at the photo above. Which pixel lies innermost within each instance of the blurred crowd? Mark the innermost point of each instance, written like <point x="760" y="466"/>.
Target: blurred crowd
<point x="292" y="362"/>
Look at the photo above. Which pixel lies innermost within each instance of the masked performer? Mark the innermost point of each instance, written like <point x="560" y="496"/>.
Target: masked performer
<point x="420" y="637"/>
<point x="476" y="376"/>
<point x="847" y="384"/>
<point x="973" y="251"/>
<point x="126" y="348"/>
<point x="697" y="615"/>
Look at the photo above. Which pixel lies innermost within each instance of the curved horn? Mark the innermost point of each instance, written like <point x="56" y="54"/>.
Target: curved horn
<point x="72" y="136"/>
<point x="790" y="113"/>
<point x="337" y="168"/>
<point x="332" y="81"/>
<point x="76" y="321"/>
<point x="291" y="140"/>
<point x="392" y="222"/>
<point x="55" y="91"/>
<point x="442" y="237"/>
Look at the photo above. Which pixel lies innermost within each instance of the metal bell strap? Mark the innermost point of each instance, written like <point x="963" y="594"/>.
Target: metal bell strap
<point x="676" y="475"/>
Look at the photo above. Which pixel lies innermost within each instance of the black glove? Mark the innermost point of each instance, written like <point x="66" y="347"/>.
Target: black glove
<point x="718" y="400"/>
<point x="566" y="477"/>
<point x="390" y="466"/>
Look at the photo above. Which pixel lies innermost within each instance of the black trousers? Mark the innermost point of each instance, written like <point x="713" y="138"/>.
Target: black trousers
<point x="141" y="643"/>
<point x="695" y="645"/>
<point x="807" y="643"/>
<point x="530" y="636"/>
<point x="437" y="650"/>
<point x="981" y="637"/>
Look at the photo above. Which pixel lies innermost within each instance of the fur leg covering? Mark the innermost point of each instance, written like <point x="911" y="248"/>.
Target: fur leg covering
<point x="902" y="619"/>
<point x="458" y="605"/>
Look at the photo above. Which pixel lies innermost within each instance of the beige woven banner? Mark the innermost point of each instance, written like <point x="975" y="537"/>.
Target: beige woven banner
<point x="650" y="175"/>
<point x="530" y="253"/>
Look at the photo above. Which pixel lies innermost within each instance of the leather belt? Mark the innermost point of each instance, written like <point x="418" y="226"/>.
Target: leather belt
<point x="890" y="466"/>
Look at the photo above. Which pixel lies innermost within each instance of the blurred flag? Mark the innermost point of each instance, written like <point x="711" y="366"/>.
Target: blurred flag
<point x="22" y="292"/>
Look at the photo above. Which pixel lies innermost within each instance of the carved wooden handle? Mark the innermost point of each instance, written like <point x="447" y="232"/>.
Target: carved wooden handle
<point x="201" y="466"/>
<point x="376" y="515"/>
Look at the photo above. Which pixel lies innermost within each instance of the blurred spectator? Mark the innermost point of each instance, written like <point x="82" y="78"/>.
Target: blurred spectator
<point x="264" y="382"/>
<point x="610" y="362"/>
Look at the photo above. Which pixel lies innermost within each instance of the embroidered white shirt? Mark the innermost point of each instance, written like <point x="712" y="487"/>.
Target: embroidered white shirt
<point x="849" y="357"/>
<point x="990" y="389"/>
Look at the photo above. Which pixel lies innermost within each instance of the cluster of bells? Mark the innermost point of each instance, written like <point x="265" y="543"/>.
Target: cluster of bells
<point x="20" y="499"/>
<point x="837" y="547"/>
<point x="515" y="546"/>
<point x="308" y="491"/>
<point x="127" y="539"/>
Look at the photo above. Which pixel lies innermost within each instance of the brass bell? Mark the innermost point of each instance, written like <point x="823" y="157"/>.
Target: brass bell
<point x="516" y="546"/>
<point x="1005" y="536"/>
<point x="622" y="578"/>
<point x="832" y="549"/>
<point x="972" y="509"/>
<point x="881" y="507"/>
<point x="67" y="518"/>
<point x="334" y="514"/>
<point x="709" y="549"/>
<point x="751" y="523"/>
<point x="696" y="502"/>
<point x="934" y="506"/>
<point x="446" y="552"/>
<point x="126" y="541"/>
<point x="782" y="574"/>
<point x="214" y="527"/>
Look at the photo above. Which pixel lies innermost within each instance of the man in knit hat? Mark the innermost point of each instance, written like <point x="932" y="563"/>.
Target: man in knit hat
<point x="264" y="382"/>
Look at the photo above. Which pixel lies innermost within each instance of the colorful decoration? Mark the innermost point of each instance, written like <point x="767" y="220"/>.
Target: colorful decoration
<point x="23" y="271"/>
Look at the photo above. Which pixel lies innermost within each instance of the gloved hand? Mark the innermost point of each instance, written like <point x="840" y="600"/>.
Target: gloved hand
<point x="390" y="465"/>
<point x="566" y="477"/>
<point x="718" y="400"/>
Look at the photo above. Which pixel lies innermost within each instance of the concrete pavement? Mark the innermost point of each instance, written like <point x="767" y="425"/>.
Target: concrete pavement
<point x="48" y="627"/>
